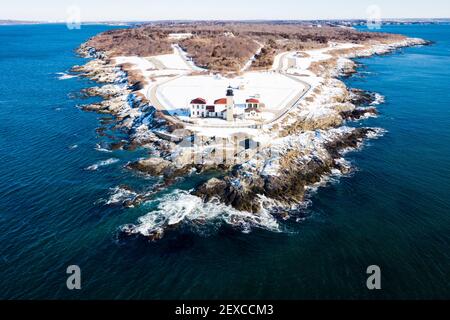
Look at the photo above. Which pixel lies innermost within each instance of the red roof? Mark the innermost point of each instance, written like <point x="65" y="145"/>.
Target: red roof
<point x="198" y="101"/>
<point x="252" y="100"/>
<point x="221" y="101"/>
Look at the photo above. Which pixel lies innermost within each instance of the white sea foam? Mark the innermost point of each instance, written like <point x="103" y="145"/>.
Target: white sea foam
<point x="98" y="147"/>
<point x="65" y="76"/>
<point x="334" y="177"/>
<point x="325" y="180"/>
<point x="102" y="164"/>
<point x="343" y="163"/>
<point x="180" y="207"/>
<point x="74" y="146"/>
<point x="367" y="115"/>
<point x="379" y="99"/>
<point x="120" y="195"/>
<point x="377" y="133"/>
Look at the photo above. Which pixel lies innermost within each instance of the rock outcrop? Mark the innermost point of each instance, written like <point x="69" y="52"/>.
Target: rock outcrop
<point x="243" y="187"/>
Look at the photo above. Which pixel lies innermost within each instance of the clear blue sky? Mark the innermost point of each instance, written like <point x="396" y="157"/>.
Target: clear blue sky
<point x="56" y="10"/>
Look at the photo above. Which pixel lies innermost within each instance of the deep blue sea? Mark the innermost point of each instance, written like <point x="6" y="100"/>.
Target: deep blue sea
<point x="394" y="211"/>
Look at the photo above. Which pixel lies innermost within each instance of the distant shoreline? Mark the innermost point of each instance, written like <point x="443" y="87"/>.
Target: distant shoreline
<point x="329" y="22"/>
<point x="17" y="22"/>
<point x="25" y="23"/>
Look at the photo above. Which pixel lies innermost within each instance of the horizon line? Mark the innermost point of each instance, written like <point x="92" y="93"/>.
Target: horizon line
<point x="225" y="20"/>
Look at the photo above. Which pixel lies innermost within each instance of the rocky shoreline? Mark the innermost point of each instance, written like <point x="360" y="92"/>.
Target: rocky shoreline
<point x="243" y="186"/>
<point x="305" y="147"/>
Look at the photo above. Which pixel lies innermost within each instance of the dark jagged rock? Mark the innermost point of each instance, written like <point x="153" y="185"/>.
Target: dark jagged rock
<point x="361" y="98"/>
<point x="139" y="85"/>
<point x="289" y="187"/>
<point x="358" y="113"/>
<point x="160" y="167"/>
<point x="350" y="140"/>
<point x="230" y="192"/>
<point x="117" y="145"/>
<point x="105" y="92"/>
<point x="152" y="166"/>
<point x="77" y="69"/>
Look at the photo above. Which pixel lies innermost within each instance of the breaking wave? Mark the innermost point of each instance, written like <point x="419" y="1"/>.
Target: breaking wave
<point x="376" y="133"/>
<point x="182" y="208"/>
<point x="102" y="164"/>
<point x="120" y="195"/>
<point x="379" y="99"/>
<point x="65" y="76"/>
<point x="99" y="148"/>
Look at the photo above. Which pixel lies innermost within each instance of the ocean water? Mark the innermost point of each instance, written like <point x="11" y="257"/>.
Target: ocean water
<point x="394" y="211"/>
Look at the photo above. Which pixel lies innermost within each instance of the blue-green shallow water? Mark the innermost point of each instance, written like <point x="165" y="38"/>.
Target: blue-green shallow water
<point x="393" y="212"/>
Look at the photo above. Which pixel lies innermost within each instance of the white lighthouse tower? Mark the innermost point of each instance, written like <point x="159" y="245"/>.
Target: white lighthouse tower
<point x="230" y="104"/>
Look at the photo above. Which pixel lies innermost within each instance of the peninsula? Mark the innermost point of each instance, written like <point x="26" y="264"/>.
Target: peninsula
<point x="259" y="104"/>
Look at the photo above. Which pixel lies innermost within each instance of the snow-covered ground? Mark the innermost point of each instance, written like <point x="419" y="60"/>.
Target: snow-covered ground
<point x="299" y="62"/>
<point x="224" y="132"/>
<point x="172" y="85"/>
<point x="172" y="61"/>
<point x="140" y="63"/>
<point x="273" y="89"/>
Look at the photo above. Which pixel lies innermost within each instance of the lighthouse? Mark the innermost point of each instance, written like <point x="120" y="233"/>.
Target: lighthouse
<point x="230" y="105"/>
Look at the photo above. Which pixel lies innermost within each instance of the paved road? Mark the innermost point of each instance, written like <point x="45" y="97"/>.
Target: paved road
<point x="154" y="101"/>
<point x="158" y="64"/>
<point x="189" y="64"/>
<point x="279" y="67"/>
<point x="293" y="103"/>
